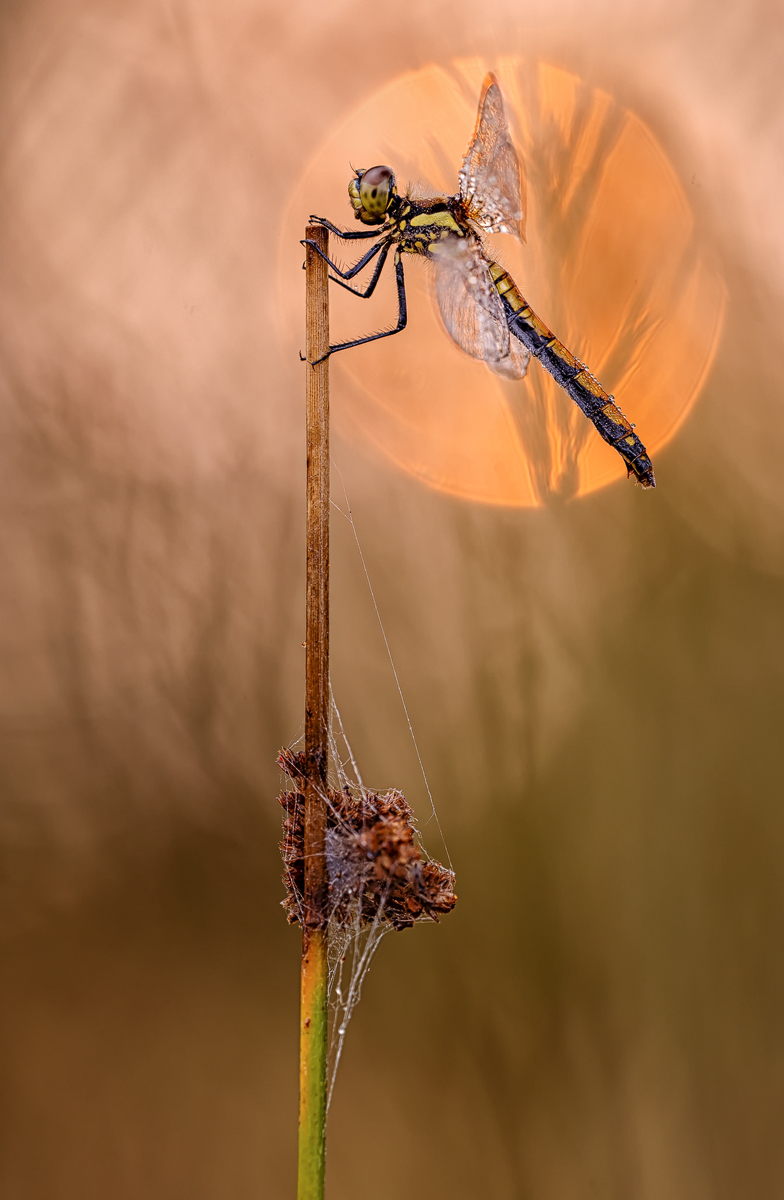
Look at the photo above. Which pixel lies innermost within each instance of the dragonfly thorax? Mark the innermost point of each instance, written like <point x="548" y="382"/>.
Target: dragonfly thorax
<point x="428" y="224"/>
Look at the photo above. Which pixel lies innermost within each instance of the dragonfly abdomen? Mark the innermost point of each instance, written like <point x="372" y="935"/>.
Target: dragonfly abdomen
<point x="573" y="376"/>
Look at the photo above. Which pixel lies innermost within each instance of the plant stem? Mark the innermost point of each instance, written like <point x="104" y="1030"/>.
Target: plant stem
<point x="313" y="994"/>
<point x="313" y="1067"/>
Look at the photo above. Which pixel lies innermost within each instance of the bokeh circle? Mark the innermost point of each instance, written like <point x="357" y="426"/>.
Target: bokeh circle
<point x="613" y="264"/>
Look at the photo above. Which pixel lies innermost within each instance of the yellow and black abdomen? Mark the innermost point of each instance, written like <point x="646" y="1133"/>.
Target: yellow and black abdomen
<point x="573" y="377"/>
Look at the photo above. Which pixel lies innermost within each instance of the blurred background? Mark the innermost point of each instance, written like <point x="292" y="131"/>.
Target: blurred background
<point x="594" y="674"/>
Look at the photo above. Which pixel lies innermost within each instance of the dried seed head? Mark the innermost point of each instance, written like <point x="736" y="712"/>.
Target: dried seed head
<point x="376" y="870"/>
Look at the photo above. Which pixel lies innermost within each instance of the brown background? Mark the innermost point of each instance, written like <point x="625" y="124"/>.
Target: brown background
<point x="596" y="687"/>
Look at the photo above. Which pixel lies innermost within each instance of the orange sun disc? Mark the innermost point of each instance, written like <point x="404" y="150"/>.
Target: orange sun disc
<point x="612" y="265"/>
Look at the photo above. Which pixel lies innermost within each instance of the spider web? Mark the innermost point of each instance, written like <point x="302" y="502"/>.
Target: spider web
<point x="380" y="878"/>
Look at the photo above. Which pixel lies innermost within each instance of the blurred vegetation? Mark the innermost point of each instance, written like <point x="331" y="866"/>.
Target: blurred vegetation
<point x="595" y="687"/>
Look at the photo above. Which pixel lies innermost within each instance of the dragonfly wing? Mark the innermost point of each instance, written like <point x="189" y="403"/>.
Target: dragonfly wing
<point x="491" y="182"/>
<point x="516" y="366"/>
<point x="472" y="310"/>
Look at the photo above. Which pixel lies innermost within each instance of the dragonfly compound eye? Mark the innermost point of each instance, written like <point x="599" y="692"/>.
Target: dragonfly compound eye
<point x="375" y="189"/>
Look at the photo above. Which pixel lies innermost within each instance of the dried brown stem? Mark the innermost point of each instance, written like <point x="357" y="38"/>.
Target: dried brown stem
<point x="317" y="604"/>
<point x="313" y="1006"/>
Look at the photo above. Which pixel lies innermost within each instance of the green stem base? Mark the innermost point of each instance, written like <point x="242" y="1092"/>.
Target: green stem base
<point x="312" y="1066"/>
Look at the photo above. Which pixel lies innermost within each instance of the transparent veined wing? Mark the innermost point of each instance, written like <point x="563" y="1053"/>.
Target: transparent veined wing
<point x="471" y="309"/>
<point x="491" y="182"/>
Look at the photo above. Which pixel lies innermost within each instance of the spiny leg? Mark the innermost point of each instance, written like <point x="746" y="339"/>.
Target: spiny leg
<point x="402" y="317"/>
<point x="374" y="278"/>
<point x="352" y="271"/>
<point x="351" y="234"/>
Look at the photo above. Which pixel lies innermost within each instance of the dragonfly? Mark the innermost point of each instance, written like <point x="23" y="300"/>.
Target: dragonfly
<point x="481" y="306"/>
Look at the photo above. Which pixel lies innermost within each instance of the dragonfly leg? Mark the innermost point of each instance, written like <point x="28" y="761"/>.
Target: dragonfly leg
<point x="374" y="278"/>
<point x="350" y="235"/>
<point x="352" y="271"/>
<point x="402" y="317"/>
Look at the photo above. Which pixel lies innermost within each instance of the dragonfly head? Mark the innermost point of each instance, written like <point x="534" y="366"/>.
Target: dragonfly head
<point x="371" y="193"/>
